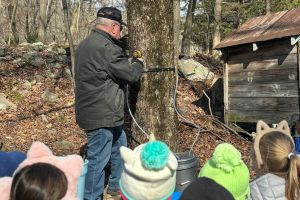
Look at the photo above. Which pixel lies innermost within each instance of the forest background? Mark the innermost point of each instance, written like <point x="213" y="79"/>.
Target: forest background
<point x="206" y="21"/>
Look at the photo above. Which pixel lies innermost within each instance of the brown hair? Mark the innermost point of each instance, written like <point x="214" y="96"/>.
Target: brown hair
<point x="40" y="181"/>
<point x="274" y="148"/>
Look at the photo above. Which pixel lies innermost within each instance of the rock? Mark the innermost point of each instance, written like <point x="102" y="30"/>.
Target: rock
<point x="62" y="144"/>
<point x="44" y="118"/>
<point x="49" y="50"/>
<point x="38" y="46"/>
<point x="9" y="57"/>
<point x="63" y="51"/>
<point x="14" y="89"/>
<point x="52" y="44"/>
<point x="49" y="74"/>
<point x="3" y="60"/>
<point x="191" y="69"/>
<point x="6" y="101"/>
<point x="27" y="84"/>
<point x="50" y="60"/>
<point x="217" y="89"/>
<point x="2" y="107"/>
<point x="54" y="65"/>
<point x="31" y="81"/>
<point x="2" y="95"/>
<point x="24" y="44"/>
<point x="3" y="51"/>
<point x="39" y="77"/>
<point x="22" y="63"/>
<point x="48" y="96"/>
<point x="64" y="58"/>
<point x="49" y="126"/>
<point x="51" y="132"/>
<point x="34" y="59"/>
<point x="69" y="74"/>
<point x="23" y="93"/>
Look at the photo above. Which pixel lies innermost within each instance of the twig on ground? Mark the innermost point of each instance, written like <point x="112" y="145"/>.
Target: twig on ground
<point x="246" y="132"/>
<point x="208" y="101"/>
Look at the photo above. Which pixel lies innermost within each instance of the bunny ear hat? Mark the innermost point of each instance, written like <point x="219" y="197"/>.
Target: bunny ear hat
<point x="149" y="171"/>
<point x="262" y="128"/>
<point x="39" y="153"/>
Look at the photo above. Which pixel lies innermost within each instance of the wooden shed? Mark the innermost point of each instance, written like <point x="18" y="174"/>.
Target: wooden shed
<point x="261" y="69"/>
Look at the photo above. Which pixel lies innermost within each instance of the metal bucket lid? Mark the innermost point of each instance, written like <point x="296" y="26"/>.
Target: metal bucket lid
<point x="186" y="160"/>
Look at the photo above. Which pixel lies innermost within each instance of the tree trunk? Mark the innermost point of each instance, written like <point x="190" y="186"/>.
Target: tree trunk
<point x="13" y="29"/>
<point x="176" y="18"/>
<point x="42" y="21"/>
<point x="268" y="7"/>
<point x="217" y="25"/>
<point x="186" y="39"/>
<point x="66" y="20"/>
<point x="151" y="31"/>
<point x="208" y="16"/>
<point x="76" y="16"/>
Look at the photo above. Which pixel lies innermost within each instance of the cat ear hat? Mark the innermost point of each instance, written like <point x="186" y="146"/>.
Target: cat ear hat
<point x="262" y="128"/>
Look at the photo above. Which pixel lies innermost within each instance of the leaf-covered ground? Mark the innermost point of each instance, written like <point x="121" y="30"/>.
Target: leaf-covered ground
<point x="21" y="127"/>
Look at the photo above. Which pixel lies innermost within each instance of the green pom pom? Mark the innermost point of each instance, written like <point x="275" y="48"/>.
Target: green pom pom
<point x="226" y="157"/>
<point x="155" y="155"/>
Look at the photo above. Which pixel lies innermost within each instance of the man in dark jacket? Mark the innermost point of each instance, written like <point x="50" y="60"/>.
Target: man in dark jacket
<point x="101" y="70"/>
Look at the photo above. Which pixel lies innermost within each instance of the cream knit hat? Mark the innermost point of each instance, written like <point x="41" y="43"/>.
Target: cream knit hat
<point x="149" y="171"/>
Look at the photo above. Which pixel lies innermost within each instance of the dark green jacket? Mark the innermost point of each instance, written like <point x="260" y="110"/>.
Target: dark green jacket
<point x="101" y="70"/>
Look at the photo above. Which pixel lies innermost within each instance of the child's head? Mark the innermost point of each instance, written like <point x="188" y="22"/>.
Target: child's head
<point x="149" y="171"/>
<point x="274" y="152"/>
<point x="228" y="169"/>
<point x="40" y="181"/>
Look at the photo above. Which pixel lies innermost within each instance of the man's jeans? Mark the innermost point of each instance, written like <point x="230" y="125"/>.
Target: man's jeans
<point x="104" y="145"/>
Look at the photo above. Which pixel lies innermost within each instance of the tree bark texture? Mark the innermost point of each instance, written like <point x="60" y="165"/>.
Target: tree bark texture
<point x="217" y="25"/>
<point x="42" y="21"/>
<point x="13" y="9"/>
<point x="151" y="31"/>
<point x="76" y="16"/>
<point x="186" y="39"/>
<point x="66" y="20"/>
<point x="268" y="7"/>
<point x="176" y="19"/>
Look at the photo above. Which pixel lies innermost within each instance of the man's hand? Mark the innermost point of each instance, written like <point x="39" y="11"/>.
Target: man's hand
<point x="137" y="60"/>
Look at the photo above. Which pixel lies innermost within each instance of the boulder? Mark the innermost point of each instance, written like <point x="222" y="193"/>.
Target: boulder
<point x="27" y="84"/>
<point x="3" y="51"/>
<point x="39" y="77"/>
<point x="64" y="58"/>
<point x="191" y="69"/>
<point x="49" y="74"/>
<point x="69" y="74"/>
<point x="6" y="101"/>
<point x="48" y="96"/>
<point x="62" y="144"/>
<point x="2" y="107"/>
<point x="23" y="93"/>
<point x="34" y="59"/>
<point x="54" y="65"/>
<point x="63" y="51"/>
<point x="38" y="46"/>
<point x="22" y="63"/>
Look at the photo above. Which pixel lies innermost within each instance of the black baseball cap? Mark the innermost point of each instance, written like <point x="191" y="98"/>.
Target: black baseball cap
<point x="111" y="13"/>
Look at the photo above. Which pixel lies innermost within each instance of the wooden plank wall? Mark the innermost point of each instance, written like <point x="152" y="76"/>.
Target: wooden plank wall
<point x="263" y="84"/>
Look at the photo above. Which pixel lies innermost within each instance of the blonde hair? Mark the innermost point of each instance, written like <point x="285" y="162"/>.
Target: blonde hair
<point x="274" y="148"/>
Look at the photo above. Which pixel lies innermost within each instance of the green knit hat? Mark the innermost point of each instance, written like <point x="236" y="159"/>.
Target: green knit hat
<point x="227" y="169"/>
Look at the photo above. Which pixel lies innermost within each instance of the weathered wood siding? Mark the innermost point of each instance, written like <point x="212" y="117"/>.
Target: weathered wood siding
<point x="263" y="84"/>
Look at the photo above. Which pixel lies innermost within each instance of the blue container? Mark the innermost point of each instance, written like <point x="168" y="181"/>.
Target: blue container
<point x="81" y="180"/>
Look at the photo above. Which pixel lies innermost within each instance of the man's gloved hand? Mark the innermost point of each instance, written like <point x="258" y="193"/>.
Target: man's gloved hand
<point x="137" y="60"/>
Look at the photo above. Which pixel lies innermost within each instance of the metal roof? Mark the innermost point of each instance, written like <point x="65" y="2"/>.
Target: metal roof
<point x="272" y="26"/>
